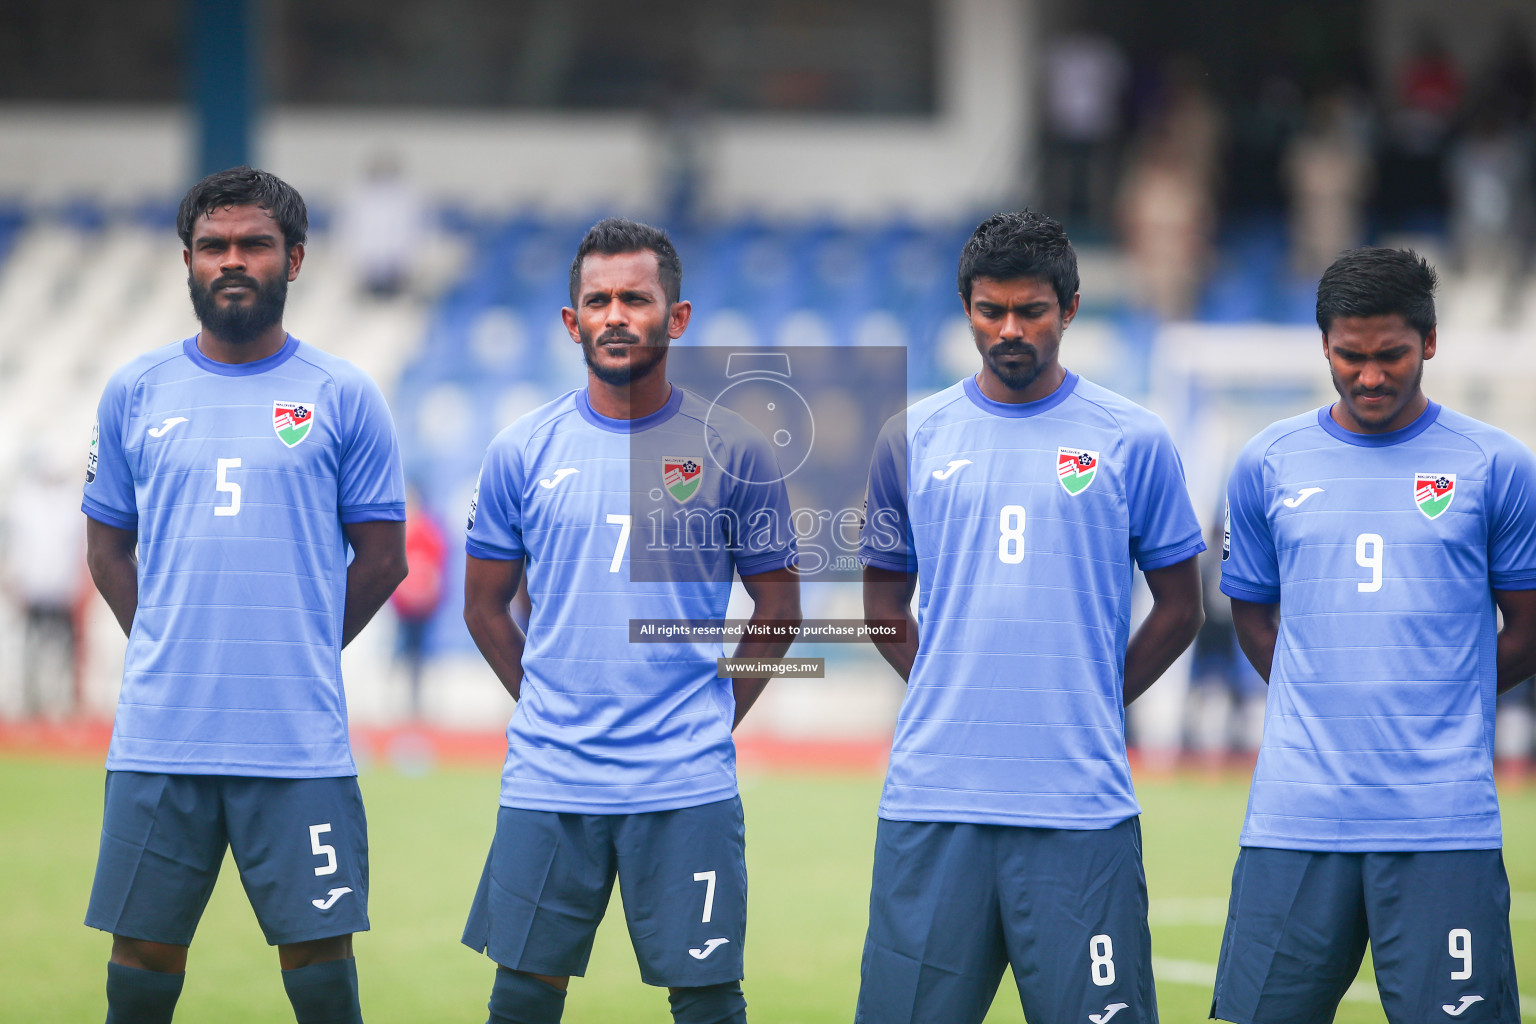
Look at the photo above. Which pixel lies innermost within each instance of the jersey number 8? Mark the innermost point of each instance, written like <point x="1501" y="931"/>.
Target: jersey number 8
<point x="1010" y="541"/>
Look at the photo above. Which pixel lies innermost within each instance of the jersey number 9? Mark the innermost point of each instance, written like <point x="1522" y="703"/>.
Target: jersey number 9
<point x="1369" y="551"/>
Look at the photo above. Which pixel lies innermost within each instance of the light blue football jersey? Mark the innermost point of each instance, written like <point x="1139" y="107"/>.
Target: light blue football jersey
<point x="1022" y="523"/>
<point x="1382" y="551"/>
<point x="238" y="478"/>
<point x="604" y="725"/>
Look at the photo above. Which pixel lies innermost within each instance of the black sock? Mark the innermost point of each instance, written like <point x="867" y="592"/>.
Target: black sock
<point x="137" y="996"/>
<point x="518" y="998"/>
<point x="324" y="993"/>
<point x="709" y="1004"/>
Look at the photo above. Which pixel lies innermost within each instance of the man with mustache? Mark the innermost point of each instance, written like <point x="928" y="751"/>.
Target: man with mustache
<point x="229" y="476"/>
<point x="1371" y="544"/>
<point x="619" y="754"/>
<point x="1024" y="498"/>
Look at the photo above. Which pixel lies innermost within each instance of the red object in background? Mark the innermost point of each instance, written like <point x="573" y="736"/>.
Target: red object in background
<point x="418" y="596"/>
<point x="1431" y="83"/>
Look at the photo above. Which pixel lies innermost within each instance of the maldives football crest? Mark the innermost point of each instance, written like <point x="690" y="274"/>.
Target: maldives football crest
<point x="1433" y="492"/>
<point x="1076" y="468"/>
<point x="291" y="421"/>
<point x="681" y="476"/>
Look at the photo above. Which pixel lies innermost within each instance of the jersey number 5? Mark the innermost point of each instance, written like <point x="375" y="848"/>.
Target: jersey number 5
<point x="227" y="486"/>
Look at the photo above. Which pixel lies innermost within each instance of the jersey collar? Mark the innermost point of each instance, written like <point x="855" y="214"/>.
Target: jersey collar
<point x="1050" y="401"/>
<point x="276" y="359"/>
<point x="1424" y="422"/>
<point x="597" y="419"/>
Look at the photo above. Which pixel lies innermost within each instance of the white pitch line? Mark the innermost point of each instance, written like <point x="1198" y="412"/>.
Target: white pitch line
<point x="1193" y="972"/>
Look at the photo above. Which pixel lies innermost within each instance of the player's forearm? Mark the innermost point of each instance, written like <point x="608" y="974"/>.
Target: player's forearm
<point x="779" y="607"/>
<point x="500" y="643"/>
<point x="114" y="569"/>
<point x="1517" y="663"/>
<point x="901" y="653"/>
<point x="1516" y="657"/>
<point x="1258" y="630"/>
<point x="1165" y="634"/>
<point x="378" y="566"/>
<point x="368" y="587"/>
<point x="888" y="599"/>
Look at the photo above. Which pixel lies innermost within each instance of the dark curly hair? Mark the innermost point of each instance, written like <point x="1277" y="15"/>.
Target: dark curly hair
<point x="614" y="235"/>
<point x="245" y="186"/>
<point x="1007" y="246"/>
<point x="1372" y="281"/>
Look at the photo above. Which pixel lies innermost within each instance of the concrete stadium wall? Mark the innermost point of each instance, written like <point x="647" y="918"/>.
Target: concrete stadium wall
<point x="973" y="154"/>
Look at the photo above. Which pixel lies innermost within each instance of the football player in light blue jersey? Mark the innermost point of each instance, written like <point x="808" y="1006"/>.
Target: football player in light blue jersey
<point x="229" y="475"/>
<point x="1370" y="545"/>
<point x="1023" y="498"/>
<point x="629" y="499"/>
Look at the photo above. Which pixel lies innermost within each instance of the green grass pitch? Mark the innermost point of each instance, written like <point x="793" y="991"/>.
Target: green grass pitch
<point x="809" y="844"/>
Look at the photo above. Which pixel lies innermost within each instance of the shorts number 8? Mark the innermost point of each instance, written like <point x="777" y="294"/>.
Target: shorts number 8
<point x="1101" y="953"/>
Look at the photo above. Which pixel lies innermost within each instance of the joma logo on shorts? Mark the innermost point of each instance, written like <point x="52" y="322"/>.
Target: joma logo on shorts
<point x="331" y="898"/>
<point x="709" y="947"/>
<point x="1459" y="1008"/>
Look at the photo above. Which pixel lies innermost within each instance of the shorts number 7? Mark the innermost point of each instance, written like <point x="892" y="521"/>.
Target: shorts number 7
<point x="707" y="877"/>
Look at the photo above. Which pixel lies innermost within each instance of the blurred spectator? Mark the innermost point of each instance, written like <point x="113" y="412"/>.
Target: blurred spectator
<point x="1510" y="85"/>
<point x="683" y="147"/>
<point x="1490" y="182"/>
<point x="1193" y="118"/>
<point x="1085" y="82"/>
<point x="381" y="227"/>
<point x="1261" y="131"/>
<point x="416" y="599"/>
<point x="1327" y="170"/>
<point x="1167" y="202"/>
<point x="1429" y="96"/>
<point x="44" y="573"/>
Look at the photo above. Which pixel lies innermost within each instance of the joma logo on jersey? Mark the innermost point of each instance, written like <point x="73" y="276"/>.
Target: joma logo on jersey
<point x="681" y="476"/>
<point x="1076" y="468"/>
<point x="291" y="421"/>
<point x="1433" y="492"/>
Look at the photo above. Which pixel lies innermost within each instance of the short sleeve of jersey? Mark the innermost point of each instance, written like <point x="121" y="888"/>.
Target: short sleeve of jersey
<point x="109" y="495"/>
<point x="495" y="528"/>
<point x="1164" y="528"/>
<point x="372" y="484"/>
<point x="886" y="540"/>
<point x="1512" y="534"/>
<point x="761" y="504"/>
<point x="1250" y="569"/>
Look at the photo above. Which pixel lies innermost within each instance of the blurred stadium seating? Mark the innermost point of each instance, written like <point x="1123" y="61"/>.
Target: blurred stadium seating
<point x="477" y="341"/>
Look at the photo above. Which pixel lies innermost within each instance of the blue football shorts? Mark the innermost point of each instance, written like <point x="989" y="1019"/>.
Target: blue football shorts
<point x="1299" y="920"/>
<point x="682" y="875"/>
<point x="301" y="846"/>
<point x="954" y="904"/>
